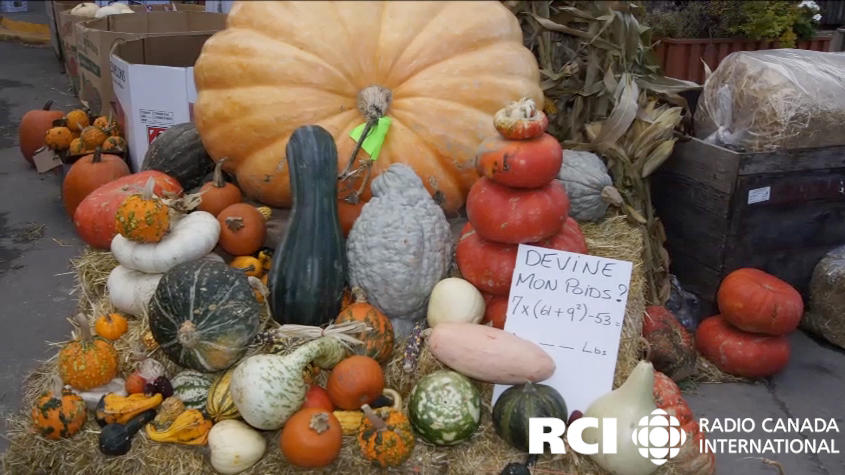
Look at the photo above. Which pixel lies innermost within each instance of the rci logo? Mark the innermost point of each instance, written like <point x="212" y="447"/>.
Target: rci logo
<point x="658" y="436"/>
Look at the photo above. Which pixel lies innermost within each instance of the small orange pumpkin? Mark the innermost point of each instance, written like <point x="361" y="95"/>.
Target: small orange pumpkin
<point x="143" y="217"/>
<point x="355" y="381"/>
<point x="111" y="326"/>
<point x="77" y="120"/>
<point x="311" y="438"/>
<point x="135" y="383"/>
<point x="114" y="145"/>
<point x="217" y="194"/>
<point x="102" y="122"/>
<point x="520" y="120"/>
<point x="58" y="138"/>
<point x="378" y="341"/>
<point x="75" y="147"/>
<point x="89" y="361"/>
<point x="59" y="412"/>
<point x="385" y="436"/>
<point x="93" y="137"/>
<point x="242" y="229"/>
<point x="34" y="126"/>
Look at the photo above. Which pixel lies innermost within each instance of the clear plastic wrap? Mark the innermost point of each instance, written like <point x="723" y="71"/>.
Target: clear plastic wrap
<point x="773" y="99"/>
<point x="825" y="317"/>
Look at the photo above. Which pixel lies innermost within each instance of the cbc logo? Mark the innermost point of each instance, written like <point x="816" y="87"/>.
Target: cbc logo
<point x="659" y="437"/>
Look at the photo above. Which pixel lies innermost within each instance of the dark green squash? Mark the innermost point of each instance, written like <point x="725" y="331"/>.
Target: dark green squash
<point x="309" y="266"/>
<point x="116" y="439"/>
<point x="518" y="404"/>
<point x="179" y="152"/>
<point x="204" y="314"/>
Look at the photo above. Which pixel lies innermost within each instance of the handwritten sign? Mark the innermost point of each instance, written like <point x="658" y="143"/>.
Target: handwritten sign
<point x="572" y="305"/>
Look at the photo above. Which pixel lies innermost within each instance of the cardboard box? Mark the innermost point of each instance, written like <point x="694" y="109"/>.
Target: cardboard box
<point x="53" y="9"/>
<point x="13" y="6"/>
<point x="67" y="38"/>
<point x="95" y="39"/>
<point x="153" y="80"/>
<point x="218" y="6"/>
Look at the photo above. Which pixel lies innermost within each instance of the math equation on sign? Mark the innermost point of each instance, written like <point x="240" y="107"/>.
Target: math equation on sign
<point x="577" y="313"/>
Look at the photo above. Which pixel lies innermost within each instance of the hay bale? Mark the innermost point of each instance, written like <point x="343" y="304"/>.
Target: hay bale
<point x="824" y="316"/>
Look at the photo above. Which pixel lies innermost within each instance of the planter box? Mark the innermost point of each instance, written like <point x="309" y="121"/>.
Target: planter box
<point x="722" y="210"/>
<point x="681" y="58"/>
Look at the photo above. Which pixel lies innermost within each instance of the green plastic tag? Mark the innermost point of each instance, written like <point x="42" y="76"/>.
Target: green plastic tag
<point x="375" y="138"/>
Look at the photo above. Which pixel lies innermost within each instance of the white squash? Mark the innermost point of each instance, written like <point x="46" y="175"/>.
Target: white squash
<point x="628" y="403"/>
<point x="268" y="389"/>
<point x="123" y="7"/>
<point x="455" y="300"/>
<point x="130" y="291"/>
<point x="234" y="446"/>
<point x="85" y="9"/>
<point x="190" y="237"/>
<point x="113" y="9"/>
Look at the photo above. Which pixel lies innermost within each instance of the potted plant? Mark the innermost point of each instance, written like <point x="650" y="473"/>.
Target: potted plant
<point x="688" y="33"/>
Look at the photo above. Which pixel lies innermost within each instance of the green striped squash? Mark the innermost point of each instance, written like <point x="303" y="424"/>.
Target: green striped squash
<point x="220" y="405"/>
<point x="518" y="404"/>
<point x="204" y="314"/>
<point x="191" y="387"/>
<point x="444" y="408"/>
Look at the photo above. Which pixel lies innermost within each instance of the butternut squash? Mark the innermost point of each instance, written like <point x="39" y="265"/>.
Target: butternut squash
<point x="489" y="354"/>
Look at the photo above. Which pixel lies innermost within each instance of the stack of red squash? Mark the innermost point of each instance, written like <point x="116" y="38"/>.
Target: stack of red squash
<point x="516" y="200"/>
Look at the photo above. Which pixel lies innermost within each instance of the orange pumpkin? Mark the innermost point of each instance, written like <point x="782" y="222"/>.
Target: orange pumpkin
<point x="311" y="438"/>
<point x="734" y="351"/>
<point x="143" y="217"/>
<point x="496" y="310"/>
<point x="58" y="138"/>
<point x="690" y="459"/>
<point x="520" y="163"/>
<point x="111" y="326"/>
<point x="520" y="120"/>
<point x="77" y="120"/>
<point x="437" y="122"/>
<point x="102" y="122"/>
<point x="114" y="144"/>
<point x="89" y="173"/>
<point x="242" y="229"/>
<point x="755" y="301"/>
<point x="355" y="381"/>
<point x="33" y="129"/>
<point x="217" y="194"/>
<point x="378" y="341"/>
<point x="89" y="361"/>
<point x="93" y="137"/>
<point x="135" y="383"/>
<point x="59" y="413"/>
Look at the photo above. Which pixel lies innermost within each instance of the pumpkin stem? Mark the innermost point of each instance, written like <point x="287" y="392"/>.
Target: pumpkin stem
<point x="373" y="102"/>
<point x="149" y="187"/>
<point x="235" y="223"/>
<point x="188" y="335"/>
<point x="85" y="334"/>
<point x="98" y="156"/>
<point x="647" y="346"/>
<point x="218" y="180"/>
<point x="48" y="105"/>
<point x="319" y="422"/>
<point x="375" y="420"/>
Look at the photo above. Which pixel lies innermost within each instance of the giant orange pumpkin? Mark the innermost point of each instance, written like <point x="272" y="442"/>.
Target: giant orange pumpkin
<point x="449" y="66"/>
<point x="755" y="301"/>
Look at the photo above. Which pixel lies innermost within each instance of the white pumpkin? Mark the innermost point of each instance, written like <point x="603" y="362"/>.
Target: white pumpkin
<point x="113" y="9"/>
<point x="85" y="9"/>
<point x="234" y="446"/>
<point x="455" y="300"/>
<point x="190" y="237"/>
<point x="130" y="291"/>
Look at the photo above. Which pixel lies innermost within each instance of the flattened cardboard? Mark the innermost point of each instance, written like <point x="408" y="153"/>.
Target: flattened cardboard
<point x="153" y="82"/>
<point x="46" y="160"/>
<point x="95" y="39"/>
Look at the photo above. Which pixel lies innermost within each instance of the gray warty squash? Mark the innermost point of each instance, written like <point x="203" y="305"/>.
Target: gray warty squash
<point x="204" y="314"/>
<point x="589" y="186"/>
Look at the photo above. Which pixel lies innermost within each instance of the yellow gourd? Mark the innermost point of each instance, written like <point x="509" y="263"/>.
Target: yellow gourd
<point x="114" y="408"/>
<point x="249" y="265"/>
<point x="350" y="421"/>
<point x="189" y="428"/>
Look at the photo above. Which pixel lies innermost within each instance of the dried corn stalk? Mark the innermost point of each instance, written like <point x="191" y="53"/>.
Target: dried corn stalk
<point x="604" y="94"/>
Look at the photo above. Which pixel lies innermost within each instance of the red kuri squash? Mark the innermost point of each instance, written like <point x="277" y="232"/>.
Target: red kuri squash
<point x="755" y="301"/>
<point x="734" y="351"/>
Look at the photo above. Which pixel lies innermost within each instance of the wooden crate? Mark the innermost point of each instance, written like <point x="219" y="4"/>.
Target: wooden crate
<point x="776" y="211"/>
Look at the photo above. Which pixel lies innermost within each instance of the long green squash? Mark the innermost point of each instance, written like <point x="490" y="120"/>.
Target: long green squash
<point x="309" y="266"/>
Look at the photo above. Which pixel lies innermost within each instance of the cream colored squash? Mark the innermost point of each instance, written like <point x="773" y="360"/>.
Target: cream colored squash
<point x="130" y="291"/>
<point x="85" y="9"/>
<point x="455" y="300"/>
<point x="449" y="66"/>
<point x="234" y="446"/>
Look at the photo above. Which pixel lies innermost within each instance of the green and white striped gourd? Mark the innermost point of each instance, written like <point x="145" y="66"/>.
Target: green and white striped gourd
<point x="268" y="389"/>
<point x="191" y="387"/>
<point x="445" y="407"/>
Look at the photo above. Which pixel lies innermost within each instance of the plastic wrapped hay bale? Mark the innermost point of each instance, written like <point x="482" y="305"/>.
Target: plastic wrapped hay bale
<point x="827" y="298"/>
<point x="765" y="100"/>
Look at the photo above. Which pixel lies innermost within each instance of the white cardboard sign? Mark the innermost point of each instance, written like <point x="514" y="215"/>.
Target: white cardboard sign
<point x="572" y="305"/>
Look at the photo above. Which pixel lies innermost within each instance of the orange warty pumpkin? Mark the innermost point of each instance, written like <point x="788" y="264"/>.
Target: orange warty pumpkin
<point x="89" y="361"/>
<point x="242" y="229"/>
<point x="755" y="301"/>
<point x="111" y="326"/>
<point x="33" y="128"/>
<point x="378" y="342"/>
<point x="311" y="438"/>
<point x="143" y="217"/>
<point x="268" y="73"/>
<point x="59" y="413"/>
<point x="520" y="120"/>
<point x="355" y="381"/>
<point x="58" y="138"/>
<point x="77" y="120"/>
<point x="89" y="173"/>
<point x="114" y="144"/>
<point x="101" y="122"/>
<point x="218" y="194"/>
<point x="93" y="137"/>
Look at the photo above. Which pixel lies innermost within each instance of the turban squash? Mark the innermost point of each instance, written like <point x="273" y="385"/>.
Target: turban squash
<point x="280" y="65"/>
